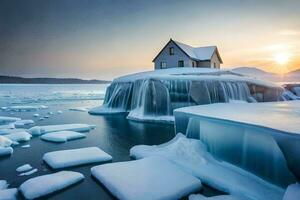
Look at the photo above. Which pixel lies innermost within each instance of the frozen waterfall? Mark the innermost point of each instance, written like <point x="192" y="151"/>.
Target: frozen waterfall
<point x="153" y="96"/>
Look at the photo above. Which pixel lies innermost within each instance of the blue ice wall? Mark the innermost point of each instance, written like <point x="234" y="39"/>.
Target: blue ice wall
<point x="252" y="148"/>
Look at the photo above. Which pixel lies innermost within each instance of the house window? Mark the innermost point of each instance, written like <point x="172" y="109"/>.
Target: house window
<point x="171" y="50"/>
<point x="163" y="65"/>
<point x="180" y="63"/>
<point x="194" y="64"/>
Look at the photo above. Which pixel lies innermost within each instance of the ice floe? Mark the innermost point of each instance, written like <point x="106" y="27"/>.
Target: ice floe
<point x="79" y="109"/>
<point x="220" y="197"/>
<point x="26" y="108"/>
<point x="40" y="130"/>
<point x="5" y="142"/>
<point x="9" y="131"/>
<point x="5" y="151"/>
<point x="36" y="115"/>
<point x="292" y="192"/>
<point x="43" y="185"/>
<point x="21" y="136"/>
<point x="74" y="157"/>
<point x="26" y="146"/>
<point x="7" y="120"/>
<point x="28" y="172"/>
<point x="150" y="178"/>
<point x="62" y="136"/>
<point x="22" y="123"/>
<point x="3" y="184"/>
<point x="8" y="194"/>
<point x="23" y="168"/>
<point x="192" y="156"/>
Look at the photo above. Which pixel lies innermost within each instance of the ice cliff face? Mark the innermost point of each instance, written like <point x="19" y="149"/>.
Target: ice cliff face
<point x="152" y="96"/>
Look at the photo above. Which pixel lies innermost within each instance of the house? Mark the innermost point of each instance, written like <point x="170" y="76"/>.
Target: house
<point x="176" y="54"/>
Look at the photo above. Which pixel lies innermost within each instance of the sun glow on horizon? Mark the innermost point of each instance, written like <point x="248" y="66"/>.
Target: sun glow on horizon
<point x="282" y="58"/>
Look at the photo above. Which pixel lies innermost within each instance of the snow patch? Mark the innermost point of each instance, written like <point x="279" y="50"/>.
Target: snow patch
<point x="43" y="185"/>
<point x="74" y="157"/>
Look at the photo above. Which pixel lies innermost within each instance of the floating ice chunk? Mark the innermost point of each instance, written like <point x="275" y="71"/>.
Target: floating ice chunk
<point x="46" y="117"/>
<point x="50" y="113"/>
<point x="41" y="119"/>
<point x="39" y="130"/>
<point x="221" y="197"/>
<point x="149" y="178"/>
<point x="7" y="126"/>
<point x="292" y="192"/>
<point x="22" y="123"/>
<point x="9" y="131"/>
<point x="59" y="112"/>
<point x="47" y="184"/>
<point x="21" y="136"/>
<point x="74" y="157"/>
<point x="79" y="109"/>
<point x="195" y="159"/>
<point x="26" y="146"/>
<point x="29" y="172"/>
<point x="62" y="136"/>
<point x="26" y="108"/>
<point x="4" y="151"/>
<point x="7" y="120"/>
<point x="3" y="184"/>
<point x="8" y="194"/>
<point x="23" y="168"/>
<point x="36" y="115"/>
<point x="5" y="142"/>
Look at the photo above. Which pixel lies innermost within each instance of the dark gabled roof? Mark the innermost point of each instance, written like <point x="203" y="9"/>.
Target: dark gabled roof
<point x="195" y="53"/>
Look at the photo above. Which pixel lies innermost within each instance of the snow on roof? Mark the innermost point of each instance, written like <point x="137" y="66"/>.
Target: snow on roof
<point x="280" y="116"/>
<point x="197" y="53"/>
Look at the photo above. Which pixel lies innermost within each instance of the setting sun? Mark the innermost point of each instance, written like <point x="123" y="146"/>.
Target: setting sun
<point x="282" y="58"/>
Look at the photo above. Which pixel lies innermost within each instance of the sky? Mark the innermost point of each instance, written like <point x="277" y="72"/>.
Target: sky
<point x="104" y="39"/>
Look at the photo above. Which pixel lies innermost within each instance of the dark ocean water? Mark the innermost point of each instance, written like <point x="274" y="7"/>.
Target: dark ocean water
<point x="114" y="134"/>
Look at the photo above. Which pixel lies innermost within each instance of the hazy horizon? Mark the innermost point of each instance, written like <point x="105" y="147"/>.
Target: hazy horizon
<point x="103" y="39"/>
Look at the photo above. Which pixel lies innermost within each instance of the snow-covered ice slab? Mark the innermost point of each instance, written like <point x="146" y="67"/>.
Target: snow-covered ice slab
<point x="79" y="109"/>
<point x="5" y="151"/>
<point x="150" y="178"/>
<point x="47" y="184"/>
<point x="21" y="136"/>
<point x="3" y="184"/>
<point x="75" y="157"/>
<point x="23" y="168"/>
<point x="62" y="136"/>
<point x="22" y="123"/>
<point x="40" y="130"/>
<point x="261" y="137"/>
<point x="192" y="156"/>
<point x="220" y="197"/>
<point x="292" y="192"/>
<point x="26" y="108"/>
<point x="6" y="120"/>
<point x="8" y="194"/>
<point x="29" y="172"/>
<point x="5" y="142"/>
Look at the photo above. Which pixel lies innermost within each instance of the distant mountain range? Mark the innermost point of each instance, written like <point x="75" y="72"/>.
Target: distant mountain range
<point x="14" y="79"/>
<point x="293" y="76"/>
